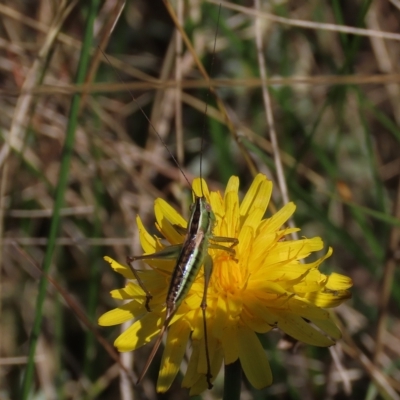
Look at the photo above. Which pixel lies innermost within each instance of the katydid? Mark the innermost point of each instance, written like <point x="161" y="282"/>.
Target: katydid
<point x="191" y="255"/>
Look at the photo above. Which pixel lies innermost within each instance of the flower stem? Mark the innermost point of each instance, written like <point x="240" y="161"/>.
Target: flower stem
<point x="233" y="381"/>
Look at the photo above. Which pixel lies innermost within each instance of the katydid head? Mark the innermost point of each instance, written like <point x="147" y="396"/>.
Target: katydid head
<point x="202" y="215"/>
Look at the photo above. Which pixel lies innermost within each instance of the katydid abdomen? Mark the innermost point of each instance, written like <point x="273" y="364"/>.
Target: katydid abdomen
<point x="193" y="252"/>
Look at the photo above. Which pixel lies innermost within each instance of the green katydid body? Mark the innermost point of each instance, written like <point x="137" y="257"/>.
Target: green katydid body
<point x="191" y="255"/>
<point x="193" y="252"/>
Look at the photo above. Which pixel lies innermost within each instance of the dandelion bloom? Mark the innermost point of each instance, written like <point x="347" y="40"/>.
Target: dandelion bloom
<point x="265" y="286"/>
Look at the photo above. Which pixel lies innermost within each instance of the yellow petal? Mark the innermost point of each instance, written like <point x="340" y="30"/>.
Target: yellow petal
<point x="195" y="378"/>
<point x="166" y="217"/>
<point x="253" y="218"/>
<point x="139" y="333"/>
<point x="154" y="283"/>
<point x="258" y="308"/>
<point x="246" y="237"/>
<point x="232" y="185"/>
<point x="197" y="319"/>
<point x="289" y="276"/>
<point x="119" y="268"/>
<point x="253" y="359"/>
<point x="274" y="223"/>
<point x="192" y="375"/>
<point x="299" y="329"/>
<point x="306" y="309"/>
<point x="231" y="219"/>
<point x="200" y="187"/>
<point x="201" y="384"/>
<point x="328" y="299"/>
<point x="162" y="265"/>
<point x="338" y="282"/>
<point x="258" y="207"/>
<point x="296" y="249"/>
<point x="212" y="346"/>
<point x="311" y="282"/>
<point x="264" y="241"/>
<point x="258" y="194"/>
<point x="230" y="344"/>
<point x="148" y="243"/>
<point x="121" y="314"/>
<point x="217" y="204"/>
<point x="254" y="322"/>
<point x="328" y="326"/>
<point x="221" y="318"/>
<point x="118" y="294"/>
<point x="264" y="289"/>
<point x="178" y="336"/>
<point x="193" y="299"/>
<point x="125" y="293"/>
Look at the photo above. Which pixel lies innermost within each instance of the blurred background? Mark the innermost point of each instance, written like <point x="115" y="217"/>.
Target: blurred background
<point x="73" y="139"/>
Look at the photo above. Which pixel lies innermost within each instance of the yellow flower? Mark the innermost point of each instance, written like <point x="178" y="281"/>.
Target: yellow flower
<point x="264" y="287"/>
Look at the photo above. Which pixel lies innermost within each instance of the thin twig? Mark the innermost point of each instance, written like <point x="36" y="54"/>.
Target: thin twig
<point x="270" y="117"/>
<point x="162" y="84"/>
<point x="308" y="24"/>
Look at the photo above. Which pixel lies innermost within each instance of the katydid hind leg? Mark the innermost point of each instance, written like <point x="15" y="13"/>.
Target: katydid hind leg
<point x="208" y="266"/>
<point x="224" y="239"/>
<point x="216" y="246"/>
